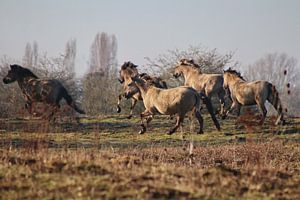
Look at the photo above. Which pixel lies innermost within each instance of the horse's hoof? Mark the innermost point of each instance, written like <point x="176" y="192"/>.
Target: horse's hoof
<point x="129" y="117"/>
<point x="200" y="132"/>
<point x="143" y="130"/>
<point x="171" y="132"/>
<point x="118" y="109"/>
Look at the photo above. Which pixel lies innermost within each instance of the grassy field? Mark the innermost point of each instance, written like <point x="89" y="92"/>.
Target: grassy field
<point x="106" y="158"/>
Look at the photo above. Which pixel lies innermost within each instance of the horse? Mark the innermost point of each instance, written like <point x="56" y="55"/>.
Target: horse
<point x="177" y="102"/>
<point x="209" y="84"/>
<point x="245" y="93"/>
<point x="47" y="91"/>
<point x="129" y="70"/>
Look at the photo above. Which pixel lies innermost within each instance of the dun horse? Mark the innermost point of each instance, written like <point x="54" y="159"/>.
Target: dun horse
<point x="39" y="90"/>
<point x="129" y="70"/>
<point x="174" y="102"/>
<point x="251" y="93"/>
<point x="209" y="84"/>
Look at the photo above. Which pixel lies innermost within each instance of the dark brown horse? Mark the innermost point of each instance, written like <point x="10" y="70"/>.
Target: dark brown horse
<point x="48" y="91"/>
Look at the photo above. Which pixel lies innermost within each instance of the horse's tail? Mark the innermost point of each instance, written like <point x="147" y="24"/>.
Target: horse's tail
<point x="71" y="102"/>
<point x="210" y="109"/>
<point x="273" y="98"/>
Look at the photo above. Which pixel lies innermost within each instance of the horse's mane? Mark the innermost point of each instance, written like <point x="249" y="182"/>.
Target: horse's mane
<point x="128" y="65"/>
<point x="23" y="71"/>
<point x="234" y="72"/>
<point x="191" y="63"/>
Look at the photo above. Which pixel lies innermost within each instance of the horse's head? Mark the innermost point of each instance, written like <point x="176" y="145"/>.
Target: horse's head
<point x="181" y="66"/>
<point x="17" y="72"/>
<point x="131" y="90"/>
<point x="12" y="74"/>
<point x="231" y="75"/>
<point x="128" y="69"/>
<point x="136" y="85"/>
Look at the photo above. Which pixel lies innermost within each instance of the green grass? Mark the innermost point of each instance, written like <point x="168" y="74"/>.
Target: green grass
<point x="106" y="158"/>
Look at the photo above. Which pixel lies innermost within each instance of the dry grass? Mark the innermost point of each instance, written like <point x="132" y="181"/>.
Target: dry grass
<point x="106" y="159"/>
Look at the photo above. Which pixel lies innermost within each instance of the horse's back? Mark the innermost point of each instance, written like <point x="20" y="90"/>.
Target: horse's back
<point x="248" y="93"/>
<point x="173" y="100"/>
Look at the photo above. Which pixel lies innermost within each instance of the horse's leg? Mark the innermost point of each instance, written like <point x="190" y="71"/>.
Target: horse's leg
<point x="119" y="102"/>
<point x="54" y="109"/>
<point x="233" y="105"/>
<point x="238" y="109"/>
<point x="149" y="119"/>
<point x="263" y="109"/>
<point x="210" y="110"/>
<point x="179" y="120"/>
<point x="133" y="103"/>
<point x="221" y="96"/>
<point x="191" y="116"/>
<point x="28" y="107"/>
<point x="200" y="120"/>
<point x="144" y="114"/>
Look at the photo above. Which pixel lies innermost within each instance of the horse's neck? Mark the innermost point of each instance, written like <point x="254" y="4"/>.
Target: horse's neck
<point x="24" y="82"/>
<point x="234" y="83"/>
<point x="143" y="89"/>
<point x="188" y="73"/>
<point x="127" y="80"/>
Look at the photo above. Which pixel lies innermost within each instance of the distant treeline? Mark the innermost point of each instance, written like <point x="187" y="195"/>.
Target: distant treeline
<point x="98" y="89"/>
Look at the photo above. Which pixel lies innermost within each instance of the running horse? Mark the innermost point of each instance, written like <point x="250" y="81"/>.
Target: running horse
<point x="245" y="93"/>
<point x="47" y="91"/>
<point x="179" y="102"/>
<point x="129" y="70"/>
<point x="209" y="84"/>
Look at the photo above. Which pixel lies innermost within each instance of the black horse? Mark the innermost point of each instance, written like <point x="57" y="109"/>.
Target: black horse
<point x="48" y="91"/>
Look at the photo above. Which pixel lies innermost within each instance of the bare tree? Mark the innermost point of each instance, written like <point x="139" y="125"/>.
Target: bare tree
<point x="35" y="53"/>
<point x="28" y="56"/>
<point x="69" y="57"/>
<point x="103" y="53"/>
<point x="100" y="84"/>
<point x="210" y="60"/>
<point x="282" y="71"/>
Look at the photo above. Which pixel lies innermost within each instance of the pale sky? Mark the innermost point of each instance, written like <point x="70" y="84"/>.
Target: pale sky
<point x="250" y="28"/>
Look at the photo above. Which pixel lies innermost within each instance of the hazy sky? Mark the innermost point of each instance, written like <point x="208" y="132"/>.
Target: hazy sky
<point x="251" y="28"/>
